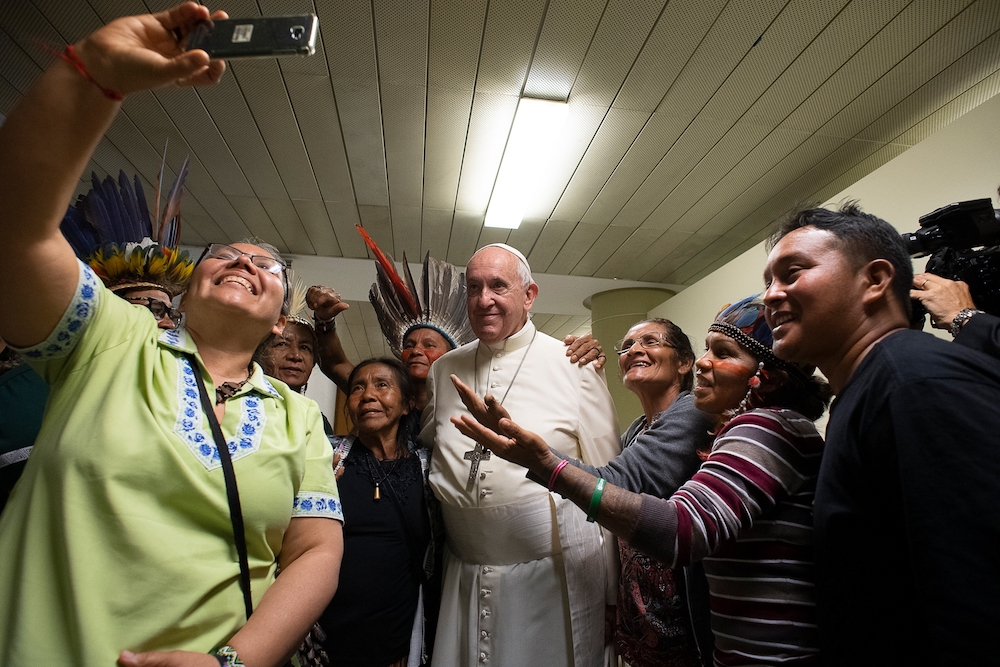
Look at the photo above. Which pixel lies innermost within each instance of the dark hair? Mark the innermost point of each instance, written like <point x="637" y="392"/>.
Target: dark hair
<point x="681" y="344"/>
<point x="262" y="355"/>
<point x="809" y="395"/>
<point x="863" y="237"/>
<point x="406" y="392"/>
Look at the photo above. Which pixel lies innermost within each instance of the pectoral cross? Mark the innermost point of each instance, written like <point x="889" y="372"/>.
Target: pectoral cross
<point x="476" y="455"/>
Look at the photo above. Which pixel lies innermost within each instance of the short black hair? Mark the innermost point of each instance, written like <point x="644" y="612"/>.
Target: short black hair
<point x="864" y="237"/>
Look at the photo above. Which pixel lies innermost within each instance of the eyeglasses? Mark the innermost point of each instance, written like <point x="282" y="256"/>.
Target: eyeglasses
<point x="159" y="309"/>
<point x="229" y="254"/>
<point x="647" y="341"/>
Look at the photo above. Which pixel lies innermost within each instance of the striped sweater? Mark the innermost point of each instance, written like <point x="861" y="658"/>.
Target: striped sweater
<point x="747" y="513"/>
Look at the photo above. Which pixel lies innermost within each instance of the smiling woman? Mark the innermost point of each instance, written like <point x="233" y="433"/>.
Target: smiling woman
<point x="377" y="617"/>
<point x="127" y="477"/>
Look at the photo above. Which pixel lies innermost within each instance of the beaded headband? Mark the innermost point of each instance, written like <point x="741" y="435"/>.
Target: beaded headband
<point x="744" y="322"/>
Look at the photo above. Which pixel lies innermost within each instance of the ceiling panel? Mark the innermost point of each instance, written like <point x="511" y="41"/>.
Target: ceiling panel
<point x="680" y="28"/>
<point x="564" y="40"/>
<point x="617" y="132"/>
<point x="616" y="42"/>
<point x="318" y="120"/>
<point x="693" y="124"/>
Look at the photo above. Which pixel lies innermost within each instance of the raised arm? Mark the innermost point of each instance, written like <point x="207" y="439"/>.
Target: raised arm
<point x="47" y="140"/>
<point x="750" y="469"/>
<point x="326" y="305"/>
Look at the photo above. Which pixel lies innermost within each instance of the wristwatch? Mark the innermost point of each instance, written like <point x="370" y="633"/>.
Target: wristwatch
<point x="963" y="316"/>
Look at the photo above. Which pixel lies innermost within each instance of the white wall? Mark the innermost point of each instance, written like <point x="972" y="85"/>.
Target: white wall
<point x="959" y="162"/>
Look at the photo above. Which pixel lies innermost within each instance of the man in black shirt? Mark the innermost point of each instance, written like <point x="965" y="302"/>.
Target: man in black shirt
<point x="907" y="508"/>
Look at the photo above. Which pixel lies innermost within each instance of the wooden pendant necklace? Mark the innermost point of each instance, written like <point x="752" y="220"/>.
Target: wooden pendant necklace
<point x="227" y="390"/>
<point x="382" y="475"/>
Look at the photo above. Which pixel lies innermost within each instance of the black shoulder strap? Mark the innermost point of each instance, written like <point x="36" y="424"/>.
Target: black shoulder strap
<point x="235" y="513"/>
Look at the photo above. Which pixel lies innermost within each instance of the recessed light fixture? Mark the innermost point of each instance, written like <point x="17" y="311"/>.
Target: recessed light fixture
<point x="537" y="125"/>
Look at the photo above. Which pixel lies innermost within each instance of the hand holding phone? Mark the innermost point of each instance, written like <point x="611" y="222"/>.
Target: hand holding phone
<point x="261" y="37"/>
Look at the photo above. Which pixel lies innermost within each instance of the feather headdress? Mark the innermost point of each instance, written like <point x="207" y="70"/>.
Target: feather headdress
<point x="110" y="228"/>
<point x="401" y="307"/>
<point x="298" y="311"/>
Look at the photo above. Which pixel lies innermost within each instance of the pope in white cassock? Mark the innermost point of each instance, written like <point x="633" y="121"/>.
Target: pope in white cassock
<point x="526" y="578"/>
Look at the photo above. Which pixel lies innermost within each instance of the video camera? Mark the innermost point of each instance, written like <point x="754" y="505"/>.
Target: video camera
<point x="949" y="235"/>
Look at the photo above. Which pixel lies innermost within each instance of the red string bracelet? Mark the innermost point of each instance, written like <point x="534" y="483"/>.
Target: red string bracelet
<point x="555" y="473"/>
<point x="69" y="55"/>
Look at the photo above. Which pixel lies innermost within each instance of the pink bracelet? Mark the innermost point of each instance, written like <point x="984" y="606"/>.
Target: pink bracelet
<point x="555" y="473"/>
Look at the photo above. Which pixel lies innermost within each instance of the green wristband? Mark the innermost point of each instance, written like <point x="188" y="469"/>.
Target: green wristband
<point x="595" y="500"/>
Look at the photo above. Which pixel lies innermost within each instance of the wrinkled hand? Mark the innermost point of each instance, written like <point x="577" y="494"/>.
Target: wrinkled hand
<point x="167" y="659"/>
<point x="511" y="442"/>
<point x="585" y="349"/>
<point x="142" y="52"/>
<point x="941" y="297"/>
<point x="487" y="410"/>
<point x="325" y="302"/>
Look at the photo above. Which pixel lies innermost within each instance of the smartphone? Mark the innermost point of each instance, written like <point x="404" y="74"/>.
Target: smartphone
<point x="263" y="37"/>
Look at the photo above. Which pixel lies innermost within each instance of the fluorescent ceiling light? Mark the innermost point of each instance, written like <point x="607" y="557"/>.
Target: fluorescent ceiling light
<point x="537" y="125"/>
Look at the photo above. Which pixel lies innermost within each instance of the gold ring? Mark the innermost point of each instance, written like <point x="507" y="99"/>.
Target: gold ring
<point x="923" y="284"/>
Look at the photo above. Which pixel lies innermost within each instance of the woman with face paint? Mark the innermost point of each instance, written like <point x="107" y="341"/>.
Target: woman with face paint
<point x="747" y="512"/>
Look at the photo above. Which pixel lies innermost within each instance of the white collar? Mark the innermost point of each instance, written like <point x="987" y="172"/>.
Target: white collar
<point x="515" y="341"/>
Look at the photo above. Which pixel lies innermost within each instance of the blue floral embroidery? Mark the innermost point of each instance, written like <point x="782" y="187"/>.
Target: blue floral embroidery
<point x="190" y="427"/>
<point x="317" y="504"/>
<point x="81" y="309"/>
<point x="176" y="338"/>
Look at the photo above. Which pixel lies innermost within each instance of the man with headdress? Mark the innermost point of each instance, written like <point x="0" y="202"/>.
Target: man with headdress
<point x="136" y="255"/>
<point x="526" y="579"/>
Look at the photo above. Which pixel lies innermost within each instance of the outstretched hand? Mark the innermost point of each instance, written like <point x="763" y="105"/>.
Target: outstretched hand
<point x="490" y="425"/>
<point x="584" y="350"/>
<point x="146" y="51"/>
<point x="487" y="410"/>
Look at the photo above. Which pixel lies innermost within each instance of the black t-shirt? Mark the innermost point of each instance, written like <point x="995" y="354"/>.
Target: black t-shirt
<point x="907" y="508"/>
<point x="370" y="618"/>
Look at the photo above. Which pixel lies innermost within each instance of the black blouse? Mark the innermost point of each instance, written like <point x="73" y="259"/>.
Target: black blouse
<point x="370" y="619"/>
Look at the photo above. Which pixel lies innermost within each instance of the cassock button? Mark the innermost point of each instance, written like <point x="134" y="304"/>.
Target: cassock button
<point x="483" y="657"/>
<point x="484" y="634"/>
<point x="496" y="368"/>
<point x="484" y="613"/>
<point x="499" y="354"/>
<point x="484" y="592"/>
<point x="494" y="385"/>
<point x="482" y="475"/>
<point x="487" y="569"/>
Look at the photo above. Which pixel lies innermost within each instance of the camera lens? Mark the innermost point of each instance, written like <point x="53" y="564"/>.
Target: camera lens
<point x="297" y="32"/>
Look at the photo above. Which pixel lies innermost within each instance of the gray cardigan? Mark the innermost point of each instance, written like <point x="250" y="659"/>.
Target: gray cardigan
<point x="664" y="456"/>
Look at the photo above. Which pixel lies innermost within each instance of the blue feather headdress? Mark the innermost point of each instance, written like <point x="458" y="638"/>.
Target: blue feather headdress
<point x="110" y="229"/>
